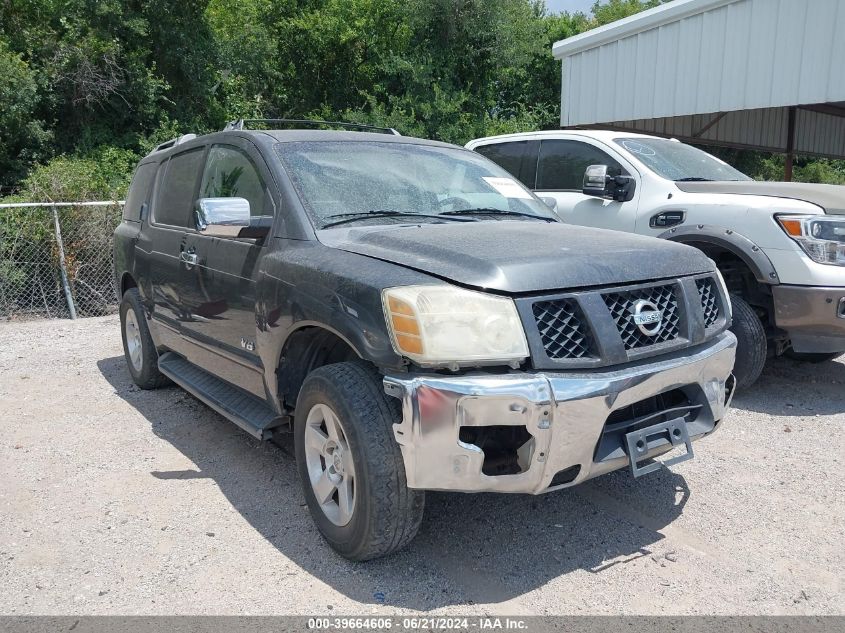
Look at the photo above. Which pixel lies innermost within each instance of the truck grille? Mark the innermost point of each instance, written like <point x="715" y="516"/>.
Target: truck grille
<point x="563" y="329"/>
<point x="597" y="327"/>
<point x="709" y="300"/>
<point x="622" y="306"/>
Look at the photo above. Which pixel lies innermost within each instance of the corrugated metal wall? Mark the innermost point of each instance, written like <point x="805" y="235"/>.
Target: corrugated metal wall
<point x="765" y="129"/>
<point x="748" y="55"/>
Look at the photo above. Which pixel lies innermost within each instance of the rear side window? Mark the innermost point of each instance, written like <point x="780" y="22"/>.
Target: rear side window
<point x="513" y="157"/>
<point x="139" y="191"/>
<point x="176" y="192"/>
<point x="229" y="173"/>
<point x="562" y="164"/>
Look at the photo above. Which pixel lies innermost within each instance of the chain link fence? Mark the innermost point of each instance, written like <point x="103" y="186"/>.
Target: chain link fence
<point x="56" y="259"/>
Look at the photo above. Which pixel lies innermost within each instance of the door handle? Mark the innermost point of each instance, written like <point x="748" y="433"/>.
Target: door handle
<point x="188" y="258"/>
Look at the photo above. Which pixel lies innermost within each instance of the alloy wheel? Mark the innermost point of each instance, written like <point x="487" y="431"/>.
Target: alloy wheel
<point x="331" y="468"/>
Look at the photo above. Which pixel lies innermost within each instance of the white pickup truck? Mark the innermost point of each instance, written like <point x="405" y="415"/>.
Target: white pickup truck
<point x="780" y="246"/>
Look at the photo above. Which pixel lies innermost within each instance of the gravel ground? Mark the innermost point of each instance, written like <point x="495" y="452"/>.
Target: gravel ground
<point x="119" y="501"/>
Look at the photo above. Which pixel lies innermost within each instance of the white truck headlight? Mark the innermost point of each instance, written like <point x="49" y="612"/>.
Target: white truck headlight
<point x="446" y="325"/>
<point x="821" y="237"/>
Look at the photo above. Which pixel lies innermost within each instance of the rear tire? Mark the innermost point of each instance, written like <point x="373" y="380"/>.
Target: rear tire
<point x="138" y="347"/>
<point x="811" y="357"/>
<point x="752" y="347"/>
<point x="376" y="513"/>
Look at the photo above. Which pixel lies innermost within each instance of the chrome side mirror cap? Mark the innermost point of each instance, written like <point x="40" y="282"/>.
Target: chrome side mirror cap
<point x="222" y="217"/>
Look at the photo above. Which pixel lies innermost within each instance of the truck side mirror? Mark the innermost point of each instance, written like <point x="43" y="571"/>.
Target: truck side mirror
<point x="595" y="181"/>
<point x="598" y="183"/>
<point x="224" y="217"/>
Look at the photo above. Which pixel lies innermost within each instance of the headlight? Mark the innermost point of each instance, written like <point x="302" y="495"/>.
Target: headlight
<point x="821" y="237"/>
<point x="445" y="325"/>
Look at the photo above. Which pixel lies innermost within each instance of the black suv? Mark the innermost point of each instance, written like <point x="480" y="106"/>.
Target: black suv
<point x="416" y="317"/>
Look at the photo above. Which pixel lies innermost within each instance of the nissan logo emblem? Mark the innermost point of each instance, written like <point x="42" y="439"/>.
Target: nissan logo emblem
<point x="647" y="317"/>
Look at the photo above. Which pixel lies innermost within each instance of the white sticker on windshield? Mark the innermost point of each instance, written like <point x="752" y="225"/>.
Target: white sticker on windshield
<point x="508" y="187"/>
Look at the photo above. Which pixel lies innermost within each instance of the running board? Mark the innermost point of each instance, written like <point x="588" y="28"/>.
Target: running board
<point x="249" y="412"/>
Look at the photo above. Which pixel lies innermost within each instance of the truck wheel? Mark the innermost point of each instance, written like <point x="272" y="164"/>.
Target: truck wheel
<point x="138" y="347"/>
<point x="751" y="348"/>
<point x="350" y="465"/>
<point x="811" y="357"/>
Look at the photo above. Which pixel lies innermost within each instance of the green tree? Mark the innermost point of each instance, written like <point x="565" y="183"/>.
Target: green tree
<point x="86" y="82"/>
<point x="612" y="10"/>
<point x="23" y="137"/>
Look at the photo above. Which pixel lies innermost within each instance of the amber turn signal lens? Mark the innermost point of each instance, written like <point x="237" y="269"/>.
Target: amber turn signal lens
<point x="409" y="344"/>
<point x="405" y="325"/>
<point x="791" y="226"/>
<point x="406" y="329"/>
<point x="397" y="306"/>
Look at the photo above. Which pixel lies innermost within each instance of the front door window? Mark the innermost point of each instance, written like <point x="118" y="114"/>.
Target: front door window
<point x="563" y="162"/>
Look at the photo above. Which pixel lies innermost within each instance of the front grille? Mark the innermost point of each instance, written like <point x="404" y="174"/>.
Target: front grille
<point x="709" y="300"/>
<point x="597" y="327"/>
<point x="622" y="305"/>
<point x="563" y="329"/>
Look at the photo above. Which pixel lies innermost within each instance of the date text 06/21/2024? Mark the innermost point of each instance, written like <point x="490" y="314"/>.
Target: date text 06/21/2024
<point x="417" y="623"/>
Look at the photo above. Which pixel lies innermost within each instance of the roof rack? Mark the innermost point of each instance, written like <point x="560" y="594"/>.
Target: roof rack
<point x="174" y="142"/>
<point x="241" y="124"/>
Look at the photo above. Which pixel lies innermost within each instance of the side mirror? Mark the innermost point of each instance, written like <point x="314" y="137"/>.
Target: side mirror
<point x="598" y="183"/>
<point x="223" y="217"/>
<point x="595" y="181"/>
<point x="549" y="202"/>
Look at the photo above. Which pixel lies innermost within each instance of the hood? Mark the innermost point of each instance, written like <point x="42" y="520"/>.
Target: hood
<point x="515" y="256"/>
<point x="831" y="198"/>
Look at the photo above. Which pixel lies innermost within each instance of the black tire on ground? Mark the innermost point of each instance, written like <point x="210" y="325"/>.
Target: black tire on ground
<point x="386" y="514"/>
<point x="144" y="373"/>
<point x="811" y="357"/>
<point x="751" y="347"/>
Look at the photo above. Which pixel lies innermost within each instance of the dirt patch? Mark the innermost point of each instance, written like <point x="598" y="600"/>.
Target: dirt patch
<point x="120" y="501"/>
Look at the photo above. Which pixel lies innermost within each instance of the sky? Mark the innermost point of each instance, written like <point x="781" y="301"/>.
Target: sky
<point x="556" y="6"/>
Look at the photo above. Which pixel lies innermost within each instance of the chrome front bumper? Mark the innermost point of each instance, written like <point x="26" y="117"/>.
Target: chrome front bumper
<point x="565" y="413"/>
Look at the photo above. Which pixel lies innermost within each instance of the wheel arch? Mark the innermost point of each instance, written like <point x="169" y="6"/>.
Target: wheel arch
<point x="747" y="270"/>
<point x="730" y="241"/>
<point x="127" y="281"/>
<point x="309" y="346"/>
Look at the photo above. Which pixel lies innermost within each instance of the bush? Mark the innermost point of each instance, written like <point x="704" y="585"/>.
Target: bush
<point x="101" y="175"/>
<point x="28" y="250"/>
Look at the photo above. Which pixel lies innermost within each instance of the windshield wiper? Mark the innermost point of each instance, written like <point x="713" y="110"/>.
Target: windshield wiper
<point x="343" y="218"/>
<point x="493" y="211"/>
<point x="694" y="179"/>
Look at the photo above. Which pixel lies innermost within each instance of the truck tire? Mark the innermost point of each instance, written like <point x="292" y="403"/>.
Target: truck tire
<point x="811" y="357"/>
<point x="138" y="347"/>
<point x="751" y="348"/>
<point x="350" y="465"/>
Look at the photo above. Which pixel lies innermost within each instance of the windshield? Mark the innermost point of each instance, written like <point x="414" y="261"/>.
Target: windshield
<point x="675" y="161"/>
<point x="403" y="182"/>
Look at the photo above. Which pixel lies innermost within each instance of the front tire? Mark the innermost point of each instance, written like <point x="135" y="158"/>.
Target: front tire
<point x="350" y="465"/>
<point x="138" y="347"/>
<point x="752" y="347"/>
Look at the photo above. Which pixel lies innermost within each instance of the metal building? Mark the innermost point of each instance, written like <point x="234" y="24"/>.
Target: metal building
<point x="756" y="74"/>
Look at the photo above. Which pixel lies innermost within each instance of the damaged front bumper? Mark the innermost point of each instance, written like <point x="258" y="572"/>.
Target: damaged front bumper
<point x="574" y="426"/>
